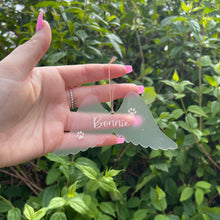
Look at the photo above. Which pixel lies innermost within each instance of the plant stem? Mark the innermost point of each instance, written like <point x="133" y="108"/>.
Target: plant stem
<point x="206" y="153"/>
<point x="200" y="86"/>
<point x="140" y="49"/>
<point x="183" y="105"/>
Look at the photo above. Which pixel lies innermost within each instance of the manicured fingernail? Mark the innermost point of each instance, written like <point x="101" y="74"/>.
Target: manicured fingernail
<point x="39" y="22"/>
<point x="120" y="140"/>
<point x="140" y="89"/>
<point x="128" y="68"/>
<point x="138" y="121"/>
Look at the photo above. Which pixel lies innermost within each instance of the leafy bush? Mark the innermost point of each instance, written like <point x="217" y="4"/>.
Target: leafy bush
<point x="173" y="47"/>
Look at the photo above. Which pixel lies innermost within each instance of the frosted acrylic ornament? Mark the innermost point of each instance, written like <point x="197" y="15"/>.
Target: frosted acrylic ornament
<point x="89" y="129"/>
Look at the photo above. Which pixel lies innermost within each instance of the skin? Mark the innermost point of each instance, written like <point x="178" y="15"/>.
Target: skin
<point x="34" y="101"/>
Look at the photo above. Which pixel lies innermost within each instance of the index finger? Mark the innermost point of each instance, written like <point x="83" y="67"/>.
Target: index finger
<point x="75" y="75"/>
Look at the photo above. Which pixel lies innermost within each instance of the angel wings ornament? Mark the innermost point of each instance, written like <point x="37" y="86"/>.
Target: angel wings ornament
<point x="133" y="121"/>
<point x="145" y="133"/>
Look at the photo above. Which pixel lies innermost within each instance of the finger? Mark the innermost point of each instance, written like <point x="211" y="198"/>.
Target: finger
<point x="78" y="121"/>
<point x="81" y="74"/>
<point x="22" y="60"/>
<point x="102" y="92"/>
<point x="72" y="141"/>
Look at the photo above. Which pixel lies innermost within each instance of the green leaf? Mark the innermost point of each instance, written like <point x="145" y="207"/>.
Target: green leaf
<point x="211" y="80"/>
<point x="34" y="202"/>
<point x="184" y="7"/>
<point x="48" y="193"/>
<point x="72" y="190"/>
<point x="86" y="162"/>
<point x="111" y="18"/>
<point x="57" y="202"/>
<point x="161" y="217"/>
<point x="95" y="51"/>
<point x="184" y="125"/>
<point x="160" y="192"/>
<point x="28" y="212"/>
<point x="144" y="181"/>
<point x="65" y="170"/>
<point x="175" y="51"/>
<point x="133" y="202"/>
<point x="176" y="76"/>
<point x="179" y="95"/>
<point x="170" y="83"/>
<point x="114" y="40"/>
<point x="216" y="67"/>
<point x="171" y="188"/>
<point x="191" y="121"/>
<point x="200" y="171"/>
<point x="203" y="185"/>
<point x="140" y="214"/>
<point x="173" y="217"/>
<point x="177" y="113"/>
<point x="59" y="159"/>
<point x="100" y="19"/>
<point x="158" y="199"/>
<point x="218" y="189"/>
<point x="186" y="194"/>
<point x="160" y="165"/>
<point x="112" y="172"/>
<point x="199" y="195"/>
<point x="193" y="61"/>
<point x="215" y="108"/>
<point x="78" y="205"/>
<point x="197" y="110"/>
<point x="55" y="57"/>
<point x="14" y="214"/>
<point x="76" y="10"/>
<point x="149" y="95"/>
<point x="88" y="171"/>
<point x="206" y="61"/>
<point x="47" y="4"/>
<point x="194" y="26"/>
<point x="107" y="183"/>
<point x="58" y="216"/>
<point x="82" y="35"/>
<point x="40" y="213"/>
<point x="52" y="176"/>
<point x="4" y="206"/>
<point x="108" y="208"/>
<point x="167" y="21"/>
<point x="189" y="208"/>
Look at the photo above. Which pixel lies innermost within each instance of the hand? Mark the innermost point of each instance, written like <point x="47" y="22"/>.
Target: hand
<point x="35" y="101"/>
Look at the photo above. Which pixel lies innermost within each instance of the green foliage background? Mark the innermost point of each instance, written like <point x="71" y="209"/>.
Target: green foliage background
<point x="174" y="49"/>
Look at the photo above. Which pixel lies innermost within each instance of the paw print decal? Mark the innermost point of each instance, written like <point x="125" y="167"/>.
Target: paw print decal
<point x="132" y="111"/>
<point x="80" y="135"/>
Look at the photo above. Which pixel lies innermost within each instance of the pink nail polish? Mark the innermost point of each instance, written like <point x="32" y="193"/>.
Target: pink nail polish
<point x="128" y="68"/>
<point x="39" y="22"/>
<point x="120" y="140"/>
<point x="138" y="121"/>
<point x="140" y="89"/>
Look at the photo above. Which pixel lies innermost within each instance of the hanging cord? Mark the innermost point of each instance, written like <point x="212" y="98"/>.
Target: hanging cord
<point x="111" y="86"/>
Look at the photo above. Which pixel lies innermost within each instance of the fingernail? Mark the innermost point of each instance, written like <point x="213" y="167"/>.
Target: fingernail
<point x="138" y="121"/>
<point x="128" y="68"/>
<point x="120" y="140"/>
<point x="140" y="89"/>
<point x="39" y="22"/>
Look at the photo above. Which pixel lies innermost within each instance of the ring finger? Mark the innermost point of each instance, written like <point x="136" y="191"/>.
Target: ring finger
<point x="102" y="92"/>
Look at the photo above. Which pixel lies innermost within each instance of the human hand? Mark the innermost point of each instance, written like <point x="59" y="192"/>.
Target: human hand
<point x="35" y="101"/>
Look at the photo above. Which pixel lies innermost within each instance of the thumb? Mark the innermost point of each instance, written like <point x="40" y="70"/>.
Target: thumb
<point x="25" y="57"/>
